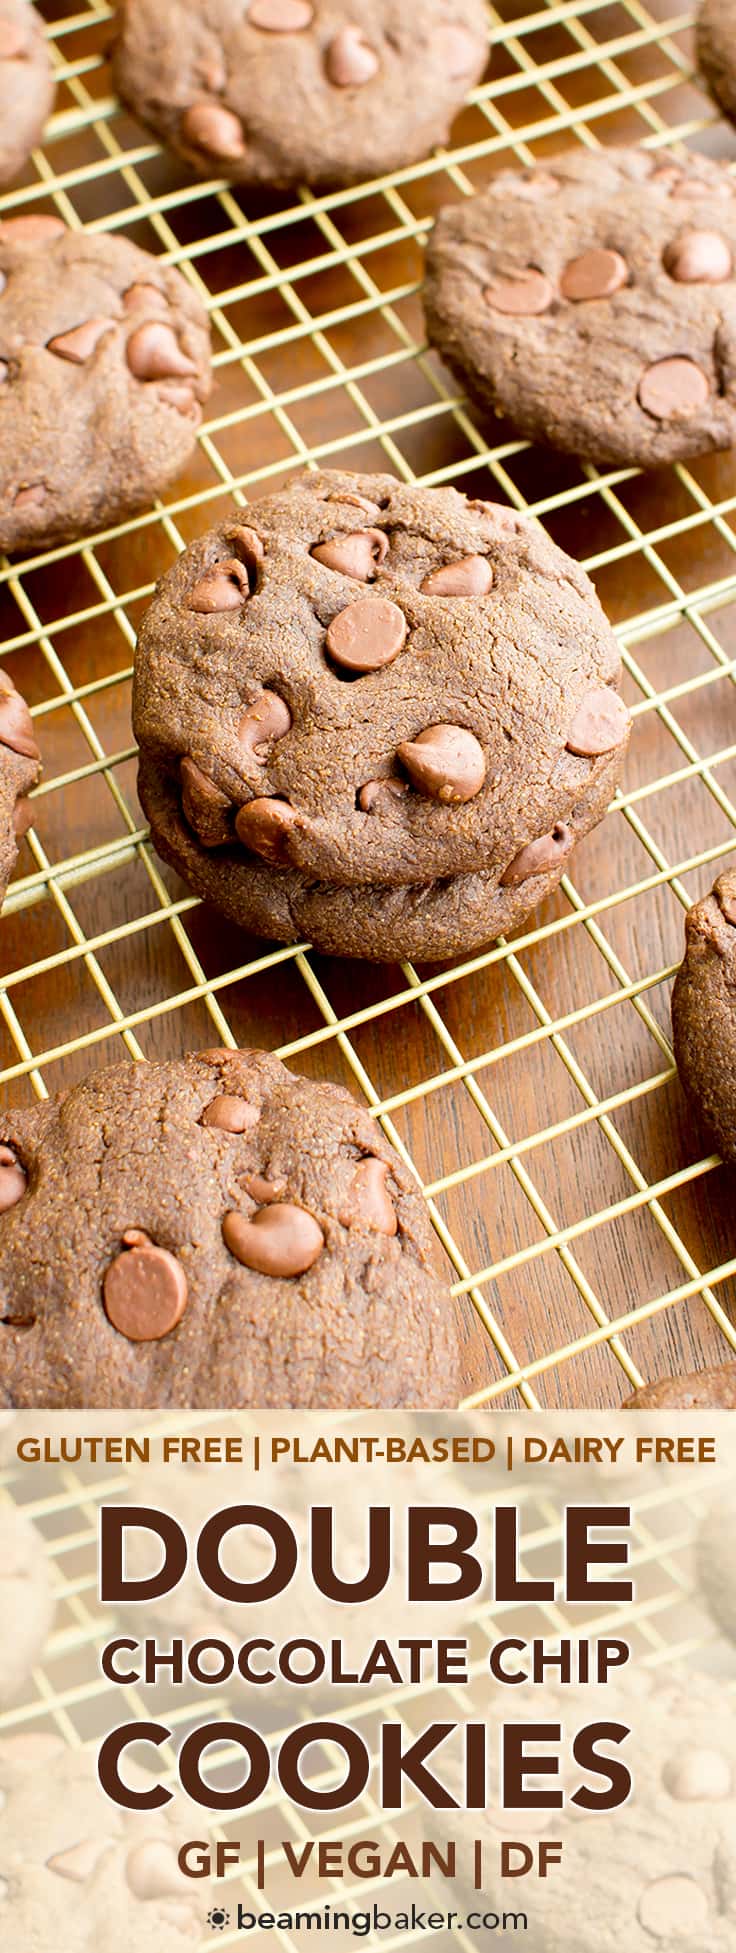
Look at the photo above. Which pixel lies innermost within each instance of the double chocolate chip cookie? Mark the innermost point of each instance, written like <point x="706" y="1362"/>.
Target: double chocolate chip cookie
<point x="616" y="268"/>
<point x="104" y="363"/>
<point x="716" y="51"/>
<point x="698" y="1390"/>
<point x="704" y="1013"/>
<point x="376" y="715"/>
<point x="77" y="1871"/>
<point x="20" y="770"/>
<point x="26" y="84"/>
<point x="214" y="1231"/>
<point x="285" y="91"/>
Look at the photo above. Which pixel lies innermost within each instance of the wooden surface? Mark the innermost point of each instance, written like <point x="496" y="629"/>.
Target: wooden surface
<point x="627" y="1262"/>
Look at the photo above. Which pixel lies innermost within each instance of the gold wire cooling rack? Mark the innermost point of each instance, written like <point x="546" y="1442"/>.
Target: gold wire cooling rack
<point x="666" y="1625"/>
<point x="531" y="1088"/>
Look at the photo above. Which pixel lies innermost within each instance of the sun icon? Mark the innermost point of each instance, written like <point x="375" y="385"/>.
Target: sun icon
<point x="218" y="1919"/>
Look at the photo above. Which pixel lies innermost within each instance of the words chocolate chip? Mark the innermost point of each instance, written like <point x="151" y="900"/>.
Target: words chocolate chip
<point x="214" y="128"/>
<point x="145" y="1293"/>
<point x="355" y="555"/>
<point x="367" y="635"/>
<point x="471" y="576"/>
<point x="281" y="1240"/>
<point x="445" y="762"/>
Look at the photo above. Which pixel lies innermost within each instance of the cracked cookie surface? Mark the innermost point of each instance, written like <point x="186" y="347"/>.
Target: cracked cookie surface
<point x="279" y="92"/>
<point x="376" y="715"/>
<point x="20" y="770"/>
<point x="215" y="1231"/>
<point x="26" y="84"/>
<point x="104" y="364"/>
<point x="617" y="267"/>
<point x="704" y="1012"/>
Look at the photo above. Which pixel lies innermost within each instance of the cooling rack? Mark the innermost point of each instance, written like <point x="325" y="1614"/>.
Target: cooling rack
<point x="665" y="1625"/>
<point x="531" y="1088"/>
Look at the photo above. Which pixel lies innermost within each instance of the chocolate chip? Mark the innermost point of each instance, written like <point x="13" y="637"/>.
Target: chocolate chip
<point x="223" y="587"/>
<point x="24" y="814"/>
<point x="281" y="1240"/>
<point x="268" y="718"/>
<point x="153" y="353"/>
<point x="180" y="396"/>
<point x="145" y="1293"/>
<point x="539" y="857"/>
<point x="16" y="726"/>
<point x="31" y="229"/>
<point x="522" y="293"/>
<point x="13" y="39"/>
<point x="31" y="496"/>
<point x="595" y="274"/>
<point x="212" y="127"/>
<point x="698" y="1776"/>
<point x="355" y="555"/>
<point x="367" y="635"/>
<point x="672" y="389"/>
<point x="152" y="1870"/>
<point x="445" y="762"/>
<point x="698" y="258"/>
<point x="371" y="509"/>
<point x="599" y="724"/>
<point x="370" y="1202"/>
<point x="379" y="793"/>
<point x="4" y="367"/>
<point x="461" y="51"/>
<point x="227" y="1113"/>
<point x="206" y="809"/>
<point x="13" y="1179"/>
<point x="470" y="576"/>
<point x="725" y="893"/>
<point x="260" y="1190"/>
<point x="142" y="296"/>
<point x="79" y="344"/>
<point x="249" y="545"/>
<point x="79" y="1861"/>
<point x="674" y="1908"/>
<point x="350" y="60"/>
<point x="280" y="16"/>
<point x="265" y="827"/>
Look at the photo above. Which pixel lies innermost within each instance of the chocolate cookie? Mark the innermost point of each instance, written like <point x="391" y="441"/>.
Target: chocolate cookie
<point x="77" y="1871"/>
<point x="716" y="51"/>
<point x="285" y="91"/>
<point x="104" y="361"/>
<point x="704" y="1012"/>
<point x="699" y="1390"/>
<point x="26" y="84"/>
<point x="20" y="770"/>
<point x="616" y="267"/>
<point x="376" y="715"/>
<point x="215" y="1231"/>
<point x="26" y="1600"/>
<point x="657" y="1872"/>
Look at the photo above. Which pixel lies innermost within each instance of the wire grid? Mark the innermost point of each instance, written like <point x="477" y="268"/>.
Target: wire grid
<point x="664" y="1626"/>
<point x="339" y="374"/>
